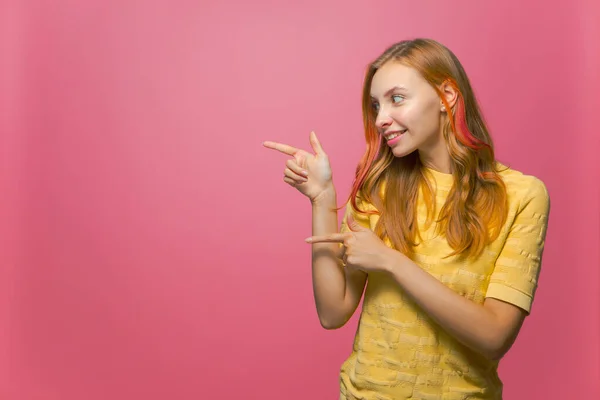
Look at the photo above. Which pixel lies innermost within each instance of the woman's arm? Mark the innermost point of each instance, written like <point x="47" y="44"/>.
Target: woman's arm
<point x="337" y="290"/>
<point x="489" y="329"/>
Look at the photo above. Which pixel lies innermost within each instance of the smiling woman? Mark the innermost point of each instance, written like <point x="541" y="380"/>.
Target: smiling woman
<point x="449" y="240"/>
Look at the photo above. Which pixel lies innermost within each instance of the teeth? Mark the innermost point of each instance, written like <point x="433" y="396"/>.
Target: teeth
<point x="394" y="135"/>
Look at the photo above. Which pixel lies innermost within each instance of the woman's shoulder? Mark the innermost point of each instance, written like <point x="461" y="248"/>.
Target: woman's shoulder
<point x="516" y="178"/>
<point x="523" y="187"/>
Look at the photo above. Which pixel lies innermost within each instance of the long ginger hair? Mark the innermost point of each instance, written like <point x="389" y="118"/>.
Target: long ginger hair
<point x="476" y="206"/>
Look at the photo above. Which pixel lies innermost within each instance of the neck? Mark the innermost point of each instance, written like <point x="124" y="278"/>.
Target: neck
<point x="441" y="162"/>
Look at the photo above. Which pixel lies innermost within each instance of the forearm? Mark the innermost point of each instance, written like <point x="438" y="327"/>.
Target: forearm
<point x="329" y="283"/>
<point x="471" y="324"/>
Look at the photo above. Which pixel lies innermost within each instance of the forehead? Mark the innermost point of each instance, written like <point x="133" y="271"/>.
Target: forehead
<point x="394" y="74"/>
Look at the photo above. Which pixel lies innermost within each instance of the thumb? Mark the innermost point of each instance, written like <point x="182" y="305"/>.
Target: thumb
<point x="316" y="145"/>
<point x="354" y="225"/>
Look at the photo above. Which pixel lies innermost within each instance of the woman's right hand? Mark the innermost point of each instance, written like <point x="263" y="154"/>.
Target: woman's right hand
<point x="310" y="174"/>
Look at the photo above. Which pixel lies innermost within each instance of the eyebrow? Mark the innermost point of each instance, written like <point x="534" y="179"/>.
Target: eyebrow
<point x="391" y="90"/>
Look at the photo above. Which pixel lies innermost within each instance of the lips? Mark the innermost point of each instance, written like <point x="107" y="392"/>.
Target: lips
<point x="392" y="135"/>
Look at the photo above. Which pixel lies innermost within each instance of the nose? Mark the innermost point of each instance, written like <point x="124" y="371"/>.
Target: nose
<point x="383" y="120"/>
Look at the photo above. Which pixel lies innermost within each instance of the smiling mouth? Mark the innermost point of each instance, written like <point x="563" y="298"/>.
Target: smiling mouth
<point x="393" y="135"/>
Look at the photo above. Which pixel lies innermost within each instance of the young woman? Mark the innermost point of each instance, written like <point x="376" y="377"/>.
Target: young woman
<point x="450" y="240"/>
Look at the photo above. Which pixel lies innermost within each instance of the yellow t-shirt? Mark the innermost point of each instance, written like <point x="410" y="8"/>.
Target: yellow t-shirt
<point x="399" y="352"/>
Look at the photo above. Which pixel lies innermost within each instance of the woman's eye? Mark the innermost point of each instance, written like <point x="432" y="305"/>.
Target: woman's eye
<point x="397" y="98"/>
<point x="375" y="106"/>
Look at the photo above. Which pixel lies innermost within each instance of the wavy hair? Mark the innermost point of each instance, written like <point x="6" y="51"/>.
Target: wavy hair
<point x="476" y="207"/>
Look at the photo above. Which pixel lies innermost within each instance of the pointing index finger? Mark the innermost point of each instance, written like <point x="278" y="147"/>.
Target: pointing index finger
<point x="284" y="148"/>
<point x="333" y="238"/>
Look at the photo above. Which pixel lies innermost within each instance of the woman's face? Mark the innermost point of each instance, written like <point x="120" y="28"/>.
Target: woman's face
<point x="408" y="111"/>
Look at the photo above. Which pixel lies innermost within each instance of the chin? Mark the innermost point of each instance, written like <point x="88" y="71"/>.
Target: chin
<point x="400" y="151"/>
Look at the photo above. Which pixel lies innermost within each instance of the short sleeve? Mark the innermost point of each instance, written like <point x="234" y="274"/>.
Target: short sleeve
<point x="517" y="268"/>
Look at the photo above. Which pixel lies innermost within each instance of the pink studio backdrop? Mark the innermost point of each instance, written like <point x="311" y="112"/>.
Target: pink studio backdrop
<point x="149" y="247"/>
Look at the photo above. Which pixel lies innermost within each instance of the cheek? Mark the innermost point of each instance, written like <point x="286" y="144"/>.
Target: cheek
<point x="429" y="118"/>
<point x="405" y="115"/>
<point x="410" y="116"/>
<point x="419" y="118"/>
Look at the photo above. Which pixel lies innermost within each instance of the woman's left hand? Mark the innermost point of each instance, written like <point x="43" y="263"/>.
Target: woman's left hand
<point x="362" y="249"/>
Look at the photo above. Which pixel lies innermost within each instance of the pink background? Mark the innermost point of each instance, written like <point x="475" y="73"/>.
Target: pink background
<point x="149" y="247"/>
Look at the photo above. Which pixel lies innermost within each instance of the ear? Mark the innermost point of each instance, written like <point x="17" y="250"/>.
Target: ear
<point x="450" y="94"/>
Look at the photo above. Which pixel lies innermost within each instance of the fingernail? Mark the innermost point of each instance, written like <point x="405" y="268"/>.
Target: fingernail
<point x="305" y="173"/>
<point x="308" y="240"/>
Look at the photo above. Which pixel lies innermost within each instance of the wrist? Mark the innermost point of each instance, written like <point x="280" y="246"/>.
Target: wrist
<point x="327" y="196"/>
<point x="393" y="261"/>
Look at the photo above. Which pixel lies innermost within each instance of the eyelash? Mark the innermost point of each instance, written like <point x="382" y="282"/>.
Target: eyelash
<point x="376" y="106"/>
<point x="397" y="95"/>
